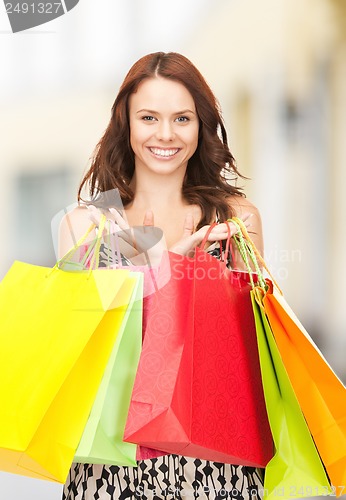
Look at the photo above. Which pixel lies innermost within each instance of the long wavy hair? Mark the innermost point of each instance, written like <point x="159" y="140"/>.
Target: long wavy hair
<point x="211" y="169"/>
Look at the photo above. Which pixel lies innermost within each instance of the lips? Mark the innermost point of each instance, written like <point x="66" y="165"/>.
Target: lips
<point x="164" y="153"/>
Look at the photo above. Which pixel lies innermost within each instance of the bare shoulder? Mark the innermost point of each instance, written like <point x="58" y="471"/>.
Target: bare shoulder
<point x="242" y="206"/>
<point x="77" y="214"/>
<point x="77" y="220"/>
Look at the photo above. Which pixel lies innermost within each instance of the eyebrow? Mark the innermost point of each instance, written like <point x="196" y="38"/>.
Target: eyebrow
<point x="185" y="111"/>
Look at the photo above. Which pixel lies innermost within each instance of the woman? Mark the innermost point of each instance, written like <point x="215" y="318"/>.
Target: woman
<point x="165" y="150"/>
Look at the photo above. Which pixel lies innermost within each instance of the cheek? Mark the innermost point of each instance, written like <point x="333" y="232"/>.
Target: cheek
<point x="136" y="136"/>
<point x="193" y="137"/>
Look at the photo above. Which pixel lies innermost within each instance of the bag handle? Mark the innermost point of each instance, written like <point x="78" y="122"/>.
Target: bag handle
<point x="228" y="240"/>
<point x="205" y="239"/>
<point x="109" y="240"/>
<point x="247" y="252"/>
<point x="113" y="245"/>
<point x="94" y="262"/>
<point x="247" y="247"/>
<point x="95" y="247"/>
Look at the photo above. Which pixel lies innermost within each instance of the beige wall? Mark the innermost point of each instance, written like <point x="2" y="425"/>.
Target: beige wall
<point x="43" y="135"/>
<point x="279" y="68"/>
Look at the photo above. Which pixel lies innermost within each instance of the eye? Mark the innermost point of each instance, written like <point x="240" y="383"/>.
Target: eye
<point x="148" y="118"/>
<point x="182" y="119"/>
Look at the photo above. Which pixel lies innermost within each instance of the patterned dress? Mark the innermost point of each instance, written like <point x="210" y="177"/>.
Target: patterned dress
<point x="168" y="476"/>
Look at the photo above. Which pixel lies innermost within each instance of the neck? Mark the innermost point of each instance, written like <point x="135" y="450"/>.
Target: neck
<point x="152" y="191"/>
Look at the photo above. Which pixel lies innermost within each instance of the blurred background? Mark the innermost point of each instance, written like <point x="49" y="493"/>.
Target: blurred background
<point x="278" y="68"/>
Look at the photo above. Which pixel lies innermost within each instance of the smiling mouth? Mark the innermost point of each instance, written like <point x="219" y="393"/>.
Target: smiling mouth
<point x="164" y="153"/>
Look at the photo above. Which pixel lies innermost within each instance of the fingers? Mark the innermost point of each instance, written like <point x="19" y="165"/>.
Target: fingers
<point x="188" y="225"/>
<point x="220" y="231"/>
<point x="114" y="225"/>
<point x="94" y="214"/>
<point x="148" y="218"/>
<point x="119" y="219"/>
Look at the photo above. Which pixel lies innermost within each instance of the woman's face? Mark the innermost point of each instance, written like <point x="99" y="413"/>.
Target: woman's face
<point x="163" y="125"/>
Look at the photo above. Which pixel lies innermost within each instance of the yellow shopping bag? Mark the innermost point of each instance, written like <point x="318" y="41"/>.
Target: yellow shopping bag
<point x="57" y="330"/>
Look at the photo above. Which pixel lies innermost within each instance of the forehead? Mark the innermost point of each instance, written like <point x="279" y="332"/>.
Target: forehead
<point x="161" y="94"/>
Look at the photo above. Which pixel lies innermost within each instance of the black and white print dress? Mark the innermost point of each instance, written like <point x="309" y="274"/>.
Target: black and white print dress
<point x="166" y="477"/>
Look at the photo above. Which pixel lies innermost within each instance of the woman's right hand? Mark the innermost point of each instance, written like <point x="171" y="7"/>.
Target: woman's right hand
<point x="140" y="244"/>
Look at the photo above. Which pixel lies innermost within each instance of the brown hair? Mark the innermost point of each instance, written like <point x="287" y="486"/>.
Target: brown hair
<point x="209" y="170"/>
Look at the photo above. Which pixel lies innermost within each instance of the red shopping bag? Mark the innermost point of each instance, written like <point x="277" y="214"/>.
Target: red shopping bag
<point x="198" y="389"/>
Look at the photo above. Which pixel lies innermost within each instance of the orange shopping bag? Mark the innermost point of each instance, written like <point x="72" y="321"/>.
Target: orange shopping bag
<point x="320" y="393"/>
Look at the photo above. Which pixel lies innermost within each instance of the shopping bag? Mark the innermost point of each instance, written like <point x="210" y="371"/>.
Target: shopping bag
<point x="57" y="329"/>
<point x="320" y="393"/>
<point x="296" y="470"/>
<point x="102" y="439"/>
<point x="114" y="258"/>
<point x="198" y="388"/>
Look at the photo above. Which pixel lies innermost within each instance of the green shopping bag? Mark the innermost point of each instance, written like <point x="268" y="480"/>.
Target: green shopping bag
<point x="296" y="470"/>
<point x="102" y="439"/>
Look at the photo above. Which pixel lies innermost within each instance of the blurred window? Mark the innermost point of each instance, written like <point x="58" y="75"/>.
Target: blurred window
<point x="38" y="197"/>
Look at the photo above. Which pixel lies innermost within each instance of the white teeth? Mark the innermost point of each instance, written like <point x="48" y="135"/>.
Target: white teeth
<point x="164" y="152"/>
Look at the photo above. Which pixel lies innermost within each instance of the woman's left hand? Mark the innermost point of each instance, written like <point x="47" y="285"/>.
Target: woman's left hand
<point x="190" y="240"/>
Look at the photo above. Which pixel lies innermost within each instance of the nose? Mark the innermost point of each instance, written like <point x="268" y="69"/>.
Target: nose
<point x="165" y="131"/>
